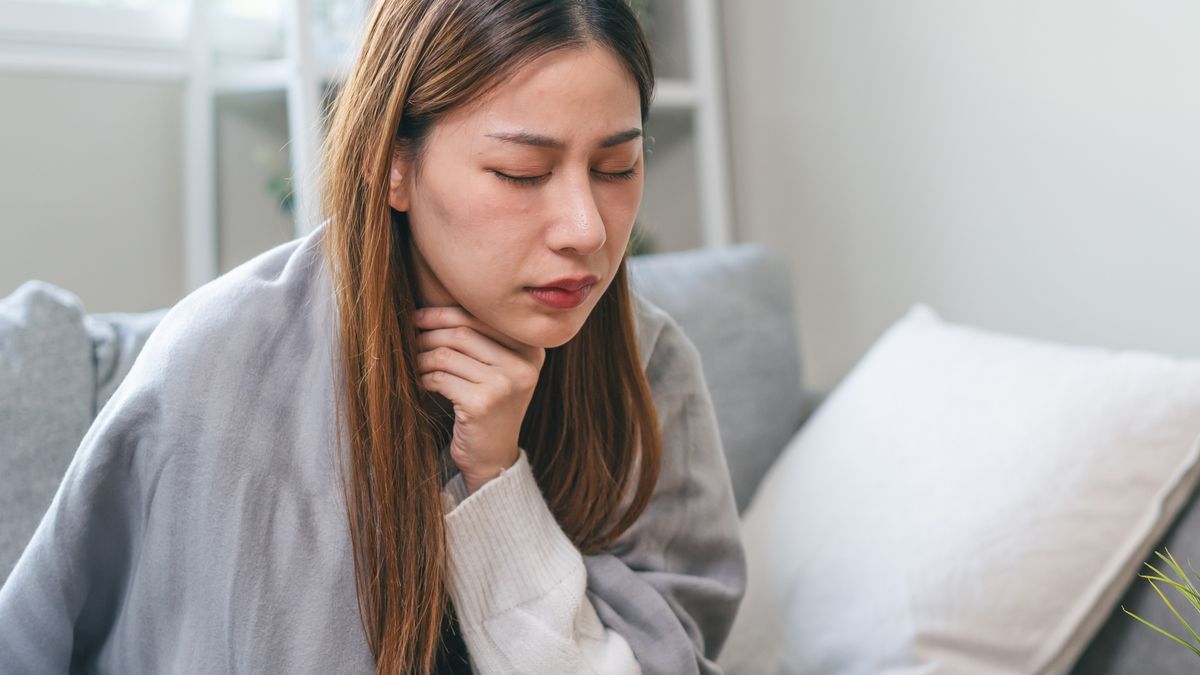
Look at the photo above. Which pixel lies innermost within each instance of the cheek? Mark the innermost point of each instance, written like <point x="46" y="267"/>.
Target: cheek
<point x="497" y="217"/>
<point x="620" y="208"/>
<point x="464" y="211"/>
<point x="497" y="204"/>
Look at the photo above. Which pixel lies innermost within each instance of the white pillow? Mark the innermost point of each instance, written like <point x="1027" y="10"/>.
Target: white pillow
<point x="964" y="502"/>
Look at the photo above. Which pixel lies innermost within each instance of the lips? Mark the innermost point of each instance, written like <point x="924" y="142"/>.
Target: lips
<point x="568" y="283"/>
<point x="560" y="298"/>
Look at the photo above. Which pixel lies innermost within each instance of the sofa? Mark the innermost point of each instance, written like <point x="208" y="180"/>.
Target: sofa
<point x="59" y="365"/>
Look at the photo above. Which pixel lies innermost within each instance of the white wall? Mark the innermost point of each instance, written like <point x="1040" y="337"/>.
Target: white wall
<point x="1030" y="166"/>
<point x="91" y="172"/>
<point x="90" y="187"/>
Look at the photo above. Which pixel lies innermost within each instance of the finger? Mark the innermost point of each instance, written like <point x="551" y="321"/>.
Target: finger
<point x="448" y="316"/>
<point x="460" y="392"/>
<point x="470" y="342"/>
<point x="452" y="361"/>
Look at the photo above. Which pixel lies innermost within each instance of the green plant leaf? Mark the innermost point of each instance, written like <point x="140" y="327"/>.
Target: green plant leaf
<point x="1173" y="611"/>
<point x="1173" y="637"/>
<point x="1189" y="591"/>
<point x="1193" y="569"/>
<point x="1178" y="569"/>
<point x="1185" y="591"/>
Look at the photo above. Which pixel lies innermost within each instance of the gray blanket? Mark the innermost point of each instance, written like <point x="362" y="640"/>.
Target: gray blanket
<point x="199" y="526"/>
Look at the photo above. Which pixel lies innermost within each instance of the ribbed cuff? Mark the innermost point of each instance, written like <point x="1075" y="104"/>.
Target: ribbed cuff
<point x="505" y="546"/>
<point x="454" y="492"/>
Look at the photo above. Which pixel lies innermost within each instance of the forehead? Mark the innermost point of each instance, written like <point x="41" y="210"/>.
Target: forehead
<point x="579" y="96"/>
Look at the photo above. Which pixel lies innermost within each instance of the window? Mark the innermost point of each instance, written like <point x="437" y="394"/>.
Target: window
<point x="129" y="37"/>
<point x="151" y="36"/>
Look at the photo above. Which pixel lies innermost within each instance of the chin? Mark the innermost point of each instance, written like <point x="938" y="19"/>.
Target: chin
<point x="555" y="340"/>
<point x="552" y="336"/>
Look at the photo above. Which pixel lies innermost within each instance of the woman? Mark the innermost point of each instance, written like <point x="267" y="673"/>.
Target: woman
<point x="387" y="446"/>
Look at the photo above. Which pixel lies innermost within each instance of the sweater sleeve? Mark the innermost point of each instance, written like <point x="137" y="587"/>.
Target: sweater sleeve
<point x="660" y="601"/>
<point x="519" y="584"/>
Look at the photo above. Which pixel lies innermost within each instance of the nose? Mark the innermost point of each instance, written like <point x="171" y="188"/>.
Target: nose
<point x="578" y="227"/>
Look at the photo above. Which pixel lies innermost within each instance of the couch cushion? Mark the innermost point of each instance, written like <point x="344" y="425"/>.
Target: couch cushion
<point x="965" y="502"/>
<point x="736" y="306"/>
<point x="47" y="399"/>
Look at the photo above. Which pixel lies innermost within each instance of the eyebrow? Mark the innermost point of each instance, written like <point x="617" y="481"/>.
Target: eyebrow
<point x="528" y="138"/>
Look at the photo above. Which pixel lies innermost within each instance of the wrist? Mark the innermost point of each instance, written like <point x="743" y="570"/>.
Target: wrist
<point x="478" y="477"/>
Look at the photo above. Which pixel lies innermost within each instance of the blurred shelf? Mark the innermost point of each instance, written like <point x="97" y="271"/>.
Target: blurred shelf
<point x="288" y="61"/>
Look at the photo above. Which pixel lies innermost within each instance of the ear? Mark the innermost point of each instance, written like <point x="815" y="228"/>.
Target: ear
<point x="398" y="182"/>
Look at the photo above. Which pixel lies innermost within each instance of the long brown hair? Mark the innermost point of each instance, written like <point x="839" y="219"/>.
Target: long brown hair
<point x="591" y="431"/>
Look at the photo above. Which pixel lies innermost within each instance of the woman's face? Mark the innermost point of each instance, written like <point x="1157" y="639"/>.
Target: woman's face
<point x="571" y="123"/>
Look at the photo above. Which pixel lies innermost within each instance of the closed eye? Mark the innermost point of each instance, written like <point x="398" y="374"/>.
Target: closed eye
<point x="521" y="180"/>
<point x="534" y="180"/>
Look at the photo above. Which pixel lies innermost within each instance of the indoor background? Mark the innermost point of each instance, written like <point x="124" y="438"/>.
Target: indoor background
<point x="1029" y="166"/>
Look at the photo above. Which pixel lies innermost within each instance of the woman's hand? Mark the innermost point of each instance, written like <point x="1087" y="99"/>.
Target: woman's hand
<point x="490" y="379"/>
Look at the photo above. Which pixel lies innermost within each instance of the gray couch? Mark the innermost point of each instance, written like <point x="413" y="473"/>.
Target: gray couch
<point x="59" y="365"/>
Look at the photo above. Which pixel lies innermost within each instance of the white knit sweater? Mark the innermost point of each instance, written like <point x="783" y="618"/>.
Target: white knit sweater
<point x="518" y="584"/>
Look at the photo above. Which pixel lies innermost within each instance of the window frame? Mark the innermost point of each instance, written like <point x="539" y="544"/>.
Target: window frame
<point x="101" y="40"/>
